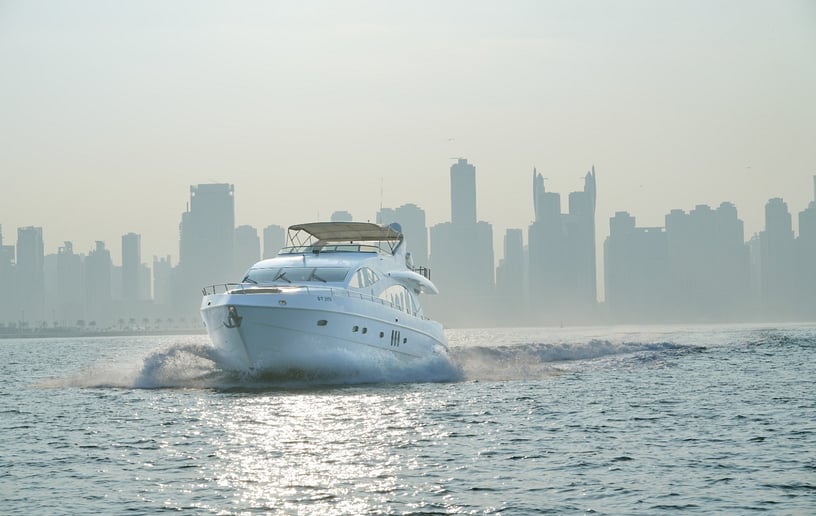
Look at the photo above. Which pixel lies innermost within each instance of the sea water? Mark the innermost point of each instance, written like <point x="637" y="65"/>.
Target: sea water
<point x="618" y="420"/>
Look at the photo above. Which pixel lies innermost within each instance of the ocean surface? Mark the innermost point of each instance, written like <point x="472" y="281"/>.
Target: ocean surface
<point x="617" y="420"/>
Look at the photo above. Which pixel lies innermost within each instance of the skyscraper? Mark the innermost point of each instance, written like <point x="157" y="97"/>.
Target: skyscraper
<point x="708" y="264"/>
<point x="70" y="286"/>
<point x="412" y="220"/>
<point x="162" y="280"/>
<point x="274" y="238"/>
<point x="341" y="216"/>
<point x="131" y="268"/>
<point x="561" y="247"/>
<point x="247" y="249"/>
<point x="777" y="261"/>
<point x="510" y="280"/>
<point x="98" y="297"/>
<point x="206" y="245"/>
<point x="7" y="287"/>
<point x="31" y="272"/>
<point x="463" y="192"/>
<point x="461" y="256"/>
<point x="635" y="271"/>
<point x="806" y="260"/>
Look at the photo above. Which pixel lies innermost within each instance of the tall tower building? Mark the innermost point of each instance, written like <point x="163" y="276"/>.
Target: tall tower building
<point x="635" y="271"/>
<point x="341" y="216"/>
<point x="131" y="267"/>
<point x="462" y="256"/>
<point x="561" y="247"/>
<point x="412" y="220"/>
<point x="162" y="280"/>
<point x="510" y="279"/>
<point x="7" y="288"/>
<point x="463" y="192"/>
<point x="70" y="286"/>
<point x="274" y="238"/>
<point x="206" y="245"/>
<point x="777" y="260"/>
<point x="31" y="272"/>
<point x="806" y="260"/>
<point x="247" y="249"/>
<point x="98" y="270"/>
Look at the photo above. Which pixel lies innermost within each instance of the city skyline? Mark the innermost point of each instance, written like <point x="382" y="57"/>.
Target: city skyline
<point x="699" y="266"/>
<point x="602" y="229"/>
<point x="309" y="109"/>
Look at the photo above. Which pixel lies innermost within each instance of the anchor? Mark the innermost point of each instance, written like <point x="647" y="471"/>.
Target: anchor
<point x="234" y="319"/>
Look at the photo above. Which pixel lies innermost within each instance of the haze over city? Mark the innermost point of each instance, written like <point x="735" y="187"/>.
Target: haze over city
<point x="111" y="110"/>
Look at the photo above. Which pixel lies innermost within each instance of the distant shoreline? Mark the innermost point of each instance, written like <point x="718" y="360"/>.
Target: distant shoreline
<point x="64" y="333"/>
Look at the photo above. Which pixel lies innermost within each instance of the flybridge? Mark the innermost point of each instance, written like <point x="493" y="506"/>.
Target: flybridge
<point x="356" y="237"/>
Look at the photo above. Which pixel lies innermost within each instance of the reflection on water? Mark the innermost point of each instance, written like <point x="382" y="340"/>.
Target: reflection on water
<point x="328" y="449"/>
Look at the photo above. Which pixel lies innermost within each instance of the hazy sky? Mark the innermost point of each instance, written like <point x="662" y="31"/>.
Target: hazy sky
<point x="109" y="111"/>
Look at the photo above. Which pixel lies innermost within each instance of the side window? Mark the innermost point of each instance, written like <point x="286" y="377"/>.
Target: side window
<point x="356" y="279"/>
<point x="363" y="277"/>
<point x="371" y="276"/>
<point x="399" y="297"/>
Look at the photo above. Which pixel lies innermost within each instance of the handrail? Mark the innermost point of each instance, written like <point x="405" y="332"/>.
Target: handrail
<point x="332" y="248"/>
<point x="424" y="271"/>
<point x="225" y="288"/>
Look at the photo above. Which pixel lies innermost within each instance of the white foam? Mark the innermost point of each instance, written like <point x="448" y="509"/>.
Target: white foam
<point x="185" y="365"/>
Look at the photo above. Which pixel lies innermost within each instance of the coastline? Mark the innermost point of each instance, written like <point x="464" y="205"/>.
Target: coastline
<point x="62" y="333"/>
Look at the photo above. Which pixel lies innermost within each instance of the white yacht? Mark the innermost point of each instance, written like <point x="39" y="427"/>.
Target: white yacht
<point x="341" y="297"/>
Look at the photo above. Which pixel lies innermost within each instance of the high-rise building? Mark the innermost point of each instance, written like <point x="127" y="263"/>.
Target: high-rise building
<point x="635" y="271"/>
<point x="274" y="238"/>
<point x="341" y="216"/>
<point x="510" y="280"/>
<point x="708" y="264"/>
<point x="777" y="261"/>
<point x="412" y="220"/>
<point x="7" y="287"/>
<point x="463" y="192"/>
<point x="162" y="280"/>
<point x="247" y="249"/>
<point x="98" y="295"/>
<point x="561" y="249"/>
<point x="30" y="270"/>
<point x="70" y="286"/>
<point x="131" y="268"/>
<point x="806" y="261"/>
<point x="206" y="245"/>
<point x="461" y="256"/>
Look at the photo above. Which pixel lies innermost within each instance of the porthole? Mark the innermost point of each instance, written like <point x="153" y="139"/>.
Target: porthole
<point x="355" y="329"/>
<point x="382" y="334"/>
<point x="322" y="322"/>
<point x="404" y="340"/>
<point x="365" y="330"/>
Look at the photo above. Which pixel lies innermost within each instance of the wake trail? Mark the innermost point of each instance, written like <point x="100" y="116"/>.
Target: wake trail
<point x="196" y="366"/>
<point x="529" y="361"/>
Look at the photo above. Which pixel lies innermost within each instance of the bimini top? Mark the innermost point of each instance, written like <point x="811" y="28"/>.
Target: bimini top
<point x="341" y="236"/>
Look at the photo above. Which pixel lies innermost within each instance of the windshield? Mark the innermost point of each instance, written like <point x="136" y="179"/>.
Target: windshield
<point x="296" y="275"/>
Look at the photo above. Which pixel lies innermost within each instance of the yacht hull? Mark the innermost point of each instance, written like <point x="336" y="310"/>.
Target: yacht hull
<point x="317" y="332"/>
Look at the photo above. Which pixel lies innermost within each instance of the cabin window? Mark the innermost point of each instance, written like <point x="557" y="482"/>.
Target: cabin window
<point x="363" y="277"/>
<point x="322" y="322"/>
<point x="355" y="329"/>
<point x="400" y="298"/>
<point x="296" y="274"/>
